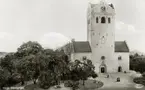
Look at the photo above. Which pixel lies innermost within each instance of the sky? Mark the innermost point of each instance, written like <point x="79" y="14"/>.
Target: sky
<point x="54" y="22"/>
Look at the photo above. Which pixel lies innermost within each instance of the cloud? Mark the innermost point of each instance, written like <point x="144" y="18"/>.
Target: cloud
<point x="124" y="28"/>
<point x="53" y="40"/>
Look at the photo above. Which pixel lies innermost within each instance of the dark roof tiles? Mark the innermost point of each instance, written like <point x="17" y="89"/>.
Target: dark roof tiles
<point x="121" y="46"/>
<point x="84" y="46"/>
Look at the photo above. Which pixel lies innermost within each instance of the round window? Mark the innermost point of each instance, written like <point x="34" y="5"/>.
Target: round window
<point x="103" y="57"/>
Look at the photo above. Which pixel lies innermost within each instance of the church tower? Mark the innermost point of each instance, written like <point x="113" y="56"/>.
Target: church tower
<point x="101" y="34"/>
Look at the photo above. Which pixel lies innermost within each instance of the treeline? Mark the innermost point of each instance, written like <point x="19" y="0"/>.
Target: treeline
<point x="45" y="67"/>
<point x="137" y="63"/>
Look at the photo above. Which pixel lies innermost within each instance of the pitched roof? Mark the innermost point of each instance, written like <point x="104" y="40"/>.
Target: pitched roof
<point x="82" y="46"/>
<point x="121" y="46"/>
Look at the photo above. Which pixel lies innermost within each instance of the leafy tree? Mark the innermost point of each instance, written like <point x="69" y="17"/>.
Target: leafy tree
<point x="29" y="54"/>
<point x="87" y="70"/>
<point x="4" y="75"/>
<point x="54" y="62"/>
<point x="7" y="63"/>
<point x="81" y="70"/>
<point x="46" y="79"/>
<point x="29" y="48"/>
<point x="137" y="63"/>
<point x="59" y="64"/>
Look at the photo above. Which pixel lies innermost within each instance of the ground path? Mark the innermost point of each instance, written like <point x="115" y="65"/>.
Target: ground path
<point x="110" y="83"/>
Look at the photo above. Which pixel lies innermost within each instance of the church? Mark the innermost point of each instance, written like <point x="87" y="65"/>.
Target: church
<point x="107" y="55"/>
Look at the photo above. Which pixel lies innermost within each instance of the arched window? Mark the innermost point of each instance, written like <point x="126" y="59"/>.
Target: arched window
<point x="97" y="20"/>
<point x="119" y="69"/>
<point x="109" y="20"/>
<point x="103" y="20"/>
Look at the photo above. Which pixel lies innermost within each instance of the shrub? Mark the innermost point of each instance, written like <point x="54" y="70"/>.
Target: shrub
<point x="140" y="80"/>
<point x="94" y="75"/>
<point x="68" y="83"/>
<point x="46" y="80"/>
<point x="73" y="84"/>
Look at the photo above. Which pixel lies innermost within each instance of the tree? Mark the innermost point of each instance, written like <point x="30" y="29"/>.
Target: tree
<point x="29" y="54"/>
<point x="22" y="69"/>
<point x="46" y="79"/>
<point x="4" y="75"/>
<point x="81" y="70"/>
<point x="54" y="62"/>
<point x="59" y="64"/>
<point x="87" y="70"/>
<point x="137" y="63"/>
<point x="7" y="63"/>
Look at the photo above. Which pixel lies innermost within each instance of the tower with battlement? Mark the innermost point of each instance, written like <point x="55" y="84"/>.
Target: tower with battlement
<point x="101" y="34"/>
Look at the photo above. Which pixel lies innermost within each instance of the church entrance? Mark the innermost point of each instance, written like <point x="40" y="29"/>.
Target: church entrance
<point x="102" y="69"/>
<point x="119" y="69"/>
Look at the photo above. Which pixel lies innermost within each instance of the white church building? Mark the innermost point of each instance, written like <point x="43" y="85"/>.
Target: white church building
<point x="106" y="54"/>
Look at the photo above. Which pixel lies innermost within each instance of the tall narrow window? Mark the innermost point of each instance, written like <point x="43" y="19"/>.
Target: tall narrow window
<point x="103" y="20"/>
<point x="109" y="20"/>
<point x="119" y="69"/>
<point x="97" y="20"/>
